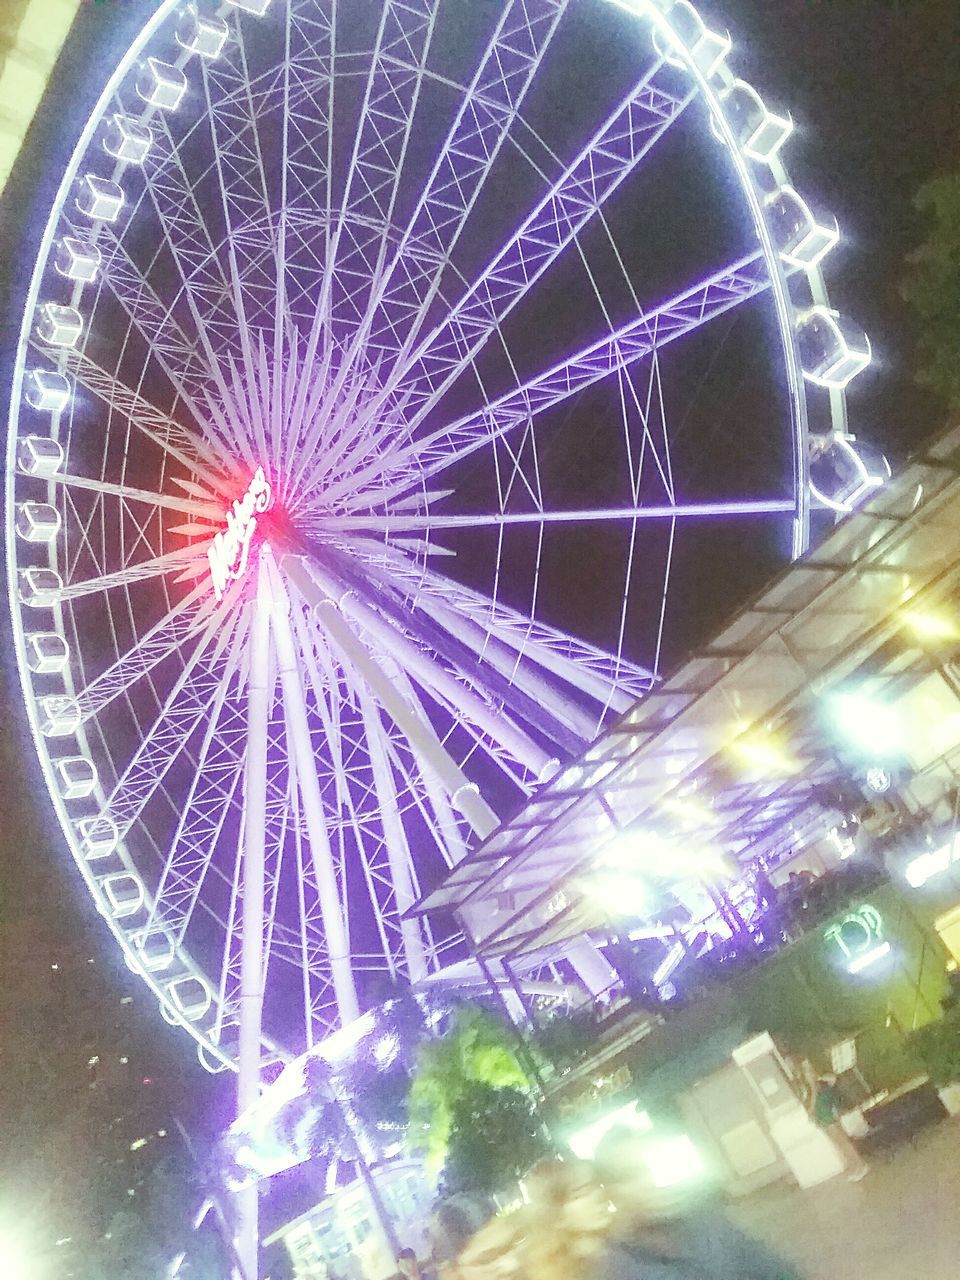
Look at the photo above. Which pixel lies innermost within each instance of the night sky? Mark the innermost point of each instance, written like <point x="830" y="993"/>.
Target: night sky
<point x="874" y="89"/>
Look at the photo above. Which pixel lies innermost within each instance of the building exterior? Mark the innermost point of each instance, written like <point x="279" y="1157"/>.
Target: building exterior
<point x="340" y="1237"/>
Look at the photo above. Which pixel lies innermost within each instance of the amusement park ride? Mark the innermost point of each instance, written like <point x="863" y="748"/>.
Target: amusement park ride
<point x="328" y="294"/>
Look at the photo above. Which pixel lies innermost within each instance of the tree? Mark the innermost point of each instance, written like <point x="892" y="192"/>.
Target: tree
<point x="932" y="287"/>
<point x="495" y="1137"/>
<point x="476" y="1049"/>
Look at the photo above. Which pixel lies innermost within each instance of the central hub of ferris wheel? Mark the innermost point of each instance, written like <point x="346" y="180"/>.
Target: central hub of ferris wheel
<point x="229" y="552"/>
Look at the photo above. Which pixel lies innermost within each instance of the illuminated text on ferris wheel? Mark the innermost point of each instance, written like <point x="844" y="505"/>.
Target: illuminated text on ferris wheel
<point x="230" y="549"/>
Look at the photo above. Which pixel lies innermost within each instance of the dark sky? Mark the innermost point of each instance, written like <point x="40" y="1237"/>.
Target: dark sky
<point x="874" y="88"/>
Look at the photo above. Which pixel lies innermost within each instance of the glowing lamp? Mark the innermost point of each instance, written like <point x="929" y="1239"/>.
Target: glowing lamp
<point x="16" y="1262"/>
<point x="762" y="753"/>
<point x="930" y="625"/>
<point x="673" y="1161"/>
<point x="868" y="958"/>
<point x="927" y="865"/>
<point x="868" y="724"/>
<point x="584" y="1141"/>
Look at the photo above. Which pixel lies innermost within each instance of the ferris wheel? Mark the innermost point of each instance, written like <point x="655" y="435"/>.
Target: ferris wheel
<point x="358" y="420"/>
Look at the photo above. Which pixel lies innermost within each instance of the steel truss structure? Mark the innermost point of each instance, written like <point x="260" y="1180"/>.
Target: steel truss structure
<point x="836" y="617"/>
<point x="326" y="296"/>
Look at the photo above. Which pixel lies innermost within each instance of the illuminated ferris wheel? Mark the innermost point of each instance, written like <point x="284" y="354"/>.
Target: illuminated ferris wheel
<point x="356" y="427"/>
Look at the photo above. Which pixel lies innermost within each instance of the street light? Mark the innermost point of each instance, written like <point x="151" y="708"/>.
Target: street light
<point x="871" y="725"/>
<point x="17" y="1261"/>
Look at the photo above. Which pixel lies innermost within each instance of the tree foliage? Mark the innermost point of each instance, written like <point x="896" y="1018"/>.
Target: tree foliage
<point x="495" y="1137"/>
<point x="476" y="1049"/>
<point x="932" y="287"/>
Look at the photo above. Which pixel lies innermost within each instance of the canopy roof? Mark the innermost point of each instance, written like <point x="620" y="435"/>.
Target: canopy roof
<point x="730" y="751"/>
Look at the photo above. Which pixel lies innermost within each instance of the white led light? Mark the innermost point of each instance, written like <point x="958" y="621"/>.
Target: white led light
<point x="203" y="35"/>
<point x="37" y="521"/>
<point x="39" y="456"/>
<point x="76" y="777"/>
<point x="59" y="326"/>
<point x="59" y="716"/>
<point x="867" y="958"/>
<point x="128" y="140"/>
<point x="833" y="350"/>
<point x="47" y="391"/>
<point x="930" y="864"/>
<point x="47" y="653"/>
<point x="98" y="837"/>
<point x="39" y="588"/>
<point x="161" y="84"/>
<point x="76" y="260"/>
<point x="99" y="199"/>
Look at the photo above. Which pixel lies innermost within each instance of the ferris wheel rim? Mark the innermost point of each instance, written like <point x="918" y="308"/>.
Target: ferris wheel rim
<point x="652" y="12"/>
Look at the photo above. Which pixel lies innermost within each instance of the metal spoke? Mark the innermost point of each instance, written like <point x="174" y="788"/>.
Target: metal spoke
<point x="403" y="291"/>
<point x="392" y="92"/>
<point x="634" y="341"/>
<point x="626" y="137"/>
<point x="169" y="635"/>
<point x="209" y="668"/>
<point x="175" y="563"/>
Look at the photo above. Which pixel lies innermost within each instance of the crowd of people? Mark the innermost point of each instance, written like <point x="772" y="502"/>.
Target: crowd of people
<point x="606" y="1219"/>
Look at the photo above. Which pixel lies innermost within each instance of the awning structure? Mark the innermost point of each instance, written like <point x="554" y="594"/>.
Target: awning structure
<point x="733" y="749"/>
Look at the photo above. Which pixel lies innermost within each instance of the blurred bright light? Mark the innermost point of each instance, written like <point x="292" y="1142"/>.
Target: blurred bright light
<point x="16" y="1260"/>
<point x="386" y="1049"/>
<point x="927" y="865"/>
<point x="583" y="1142"/>
<point x="763" y="752"/>
<point x="929" y="625"/>
<point x="620" y="892"/>
<point x="674" y="1160"/>
<point x="868" y="724"/>
<point x="867" y="958"/>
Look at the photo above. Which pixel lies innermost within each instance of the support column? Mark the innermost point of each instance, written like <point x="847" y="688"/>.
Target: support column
<point x="489" y="720"/>
<point x="398" y="850"/>
<point x="252" y="907"/>
<point x="301" y="750"/>
<point x="465" y="796"/>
